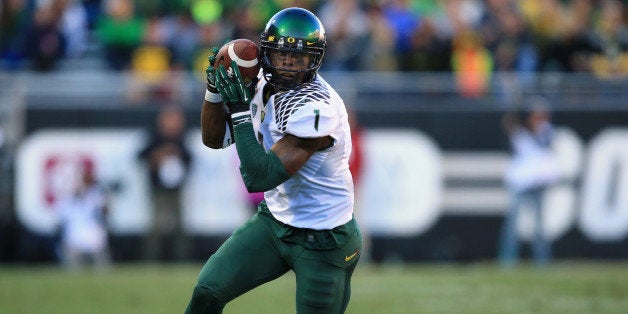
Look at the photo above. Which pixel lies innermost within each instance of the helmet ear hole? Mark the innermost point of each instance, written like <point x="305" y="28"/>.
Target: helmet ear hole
<point x="292" y="30"/>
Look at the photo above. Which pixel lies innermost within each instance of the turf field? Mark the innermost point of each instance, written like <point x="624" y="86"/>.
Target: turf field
<point x="565" y="287"/>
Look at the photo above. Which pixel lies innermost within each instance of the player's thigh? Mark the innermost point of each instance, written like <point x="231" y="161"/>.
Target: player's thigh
<point x="247" y="259"/>
<point x="322" y="287"/>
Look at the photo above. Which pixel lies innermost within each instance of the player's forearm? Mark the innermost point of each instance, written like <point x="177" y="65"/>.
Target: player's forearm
<point x="212" y="124"/>
<point x="261" y="171"/>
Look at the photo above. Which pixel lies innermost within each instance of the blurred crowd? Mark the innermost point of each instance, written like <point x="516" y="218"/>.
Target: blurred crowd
<point x="461" y="36"/>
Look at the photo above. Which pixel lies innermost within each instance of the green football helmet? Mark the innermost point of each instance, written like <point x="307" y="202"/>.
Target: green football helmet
<point x="292" y="34"/>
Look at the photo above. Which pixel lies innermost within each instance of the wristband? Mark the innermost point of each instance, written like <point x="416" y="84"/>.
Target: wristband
<point x="241" y="117"/>
<point x="213" y="97"/>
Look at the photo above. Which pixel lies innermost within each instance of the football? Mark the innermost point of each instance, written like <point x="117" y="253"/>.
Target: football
<point x="244" y="52"/>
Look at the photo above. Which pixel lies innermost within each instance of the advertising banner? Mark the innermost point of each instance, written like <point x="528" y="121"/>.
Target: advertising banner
<point x="429" y="191"/>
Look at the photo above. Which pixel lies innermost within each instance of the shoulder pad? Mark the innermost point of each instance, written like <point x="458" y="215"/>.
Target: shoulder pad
<point x="314" y="119"/>
<point x="288" y="103"/>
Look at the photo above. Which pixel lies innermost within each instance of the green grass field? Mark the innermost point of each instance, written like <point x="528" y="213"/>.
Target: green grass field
<point x="565" y="287"/>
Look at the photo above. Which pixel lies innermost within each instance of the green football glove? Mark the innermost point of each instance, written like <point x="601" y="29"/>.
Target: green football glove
<point x="235" y="93"/>
<point x="212" y="95"/>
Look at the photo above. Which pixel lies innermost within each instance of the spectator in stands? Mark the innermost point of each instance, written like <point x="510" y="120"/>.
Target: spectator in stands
<point x="404" y="23"/>
<point x="532" y="170"/>
<point x="608" y="41"/>
<point x="432" y="40"/>
<point x="378" y="54"/>
<point x="168" y="161"/>
<point x="210" y="35"/>
<point x="152" y="80"/>
<point x="346" y="25"/>
<point x="181" y="37"/>
<point x="558" y="29"/>
<point x="46" y="44"/>
<point x="120" y="32"/>
<point x="15" y="18"/>
<point x="516" y="58"/>
<point x="73" y="25"/>
<point x="246" y="23"/>
<point x="526" y="35"/>
<point x="83" y="223"/>
<point x="510" y="43"/>
<point x="93" y="10"/>
<point x="472" y="64"/>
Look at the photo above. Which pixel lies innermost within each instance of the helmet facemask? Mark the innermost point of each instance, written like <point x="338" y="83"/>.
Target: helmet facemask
<point x="287" y="69"/>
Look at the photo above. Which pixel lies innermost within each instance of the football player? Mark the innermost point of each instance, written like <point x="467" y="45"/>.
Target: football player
<point x="292" y="135"/>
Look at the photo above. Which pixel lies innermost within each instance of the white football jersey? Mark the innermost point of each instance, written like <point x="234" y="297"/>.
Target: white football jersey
<point x="320" y="195"/>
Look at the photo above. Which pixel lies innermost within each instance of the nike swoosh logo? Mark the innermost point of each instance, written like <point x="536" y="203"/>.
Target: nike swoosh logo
<point x="350" y="257"/>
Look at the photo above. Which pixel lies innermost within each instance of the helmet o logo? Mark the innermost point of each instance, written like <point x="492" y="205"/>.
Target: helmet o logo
<point x="291" y="40"/>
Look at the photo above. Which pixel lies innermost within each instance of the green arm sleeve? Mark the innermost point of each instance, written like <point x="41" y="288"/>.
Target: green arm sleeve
<point x="261" y="171"/>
